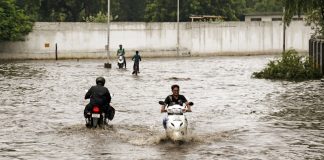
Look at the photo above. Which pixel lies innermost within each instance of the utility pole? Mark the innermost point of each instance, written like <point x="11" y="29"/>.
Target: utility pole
<point x="108" y="64"/>
<point x="178" y="38"/>
<point x="284" y="30"/>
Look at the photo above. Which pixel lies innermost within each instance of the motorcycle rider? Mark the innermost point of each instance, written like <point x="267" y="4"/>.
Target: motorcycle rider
<point x="121" y="52"/>
<point x="175" y="98"/>
<point x="99" y="95"/>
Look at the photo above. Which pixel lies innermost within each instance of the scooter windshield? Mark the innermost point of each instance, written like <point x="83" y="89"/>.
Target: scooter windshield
<point x="176" y="109"/>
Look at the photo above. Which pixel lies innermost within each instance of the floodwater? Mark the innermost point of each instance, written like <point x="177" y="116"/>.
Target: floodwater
<point x="234" y="116"/>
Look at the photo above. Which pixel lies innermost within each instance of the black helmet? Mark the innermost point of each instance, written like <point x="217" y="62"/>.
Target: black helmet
<point x="100" y="81"/>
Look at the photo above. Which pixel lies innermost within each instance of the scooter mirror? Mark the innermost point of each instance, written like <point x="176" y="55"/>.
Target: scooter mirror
<point x="161" y="103"/>
<point x="191" y="103"/>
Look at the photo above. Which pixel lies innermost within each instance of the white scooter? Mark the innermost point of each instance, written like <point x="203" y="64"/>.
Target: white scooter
<point x="120" y="62"/>
<point x="177" y="124"/>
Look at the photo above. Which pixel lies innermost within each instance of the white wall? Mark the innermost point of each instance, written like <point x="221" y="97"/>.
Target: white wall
<point x="88" y="40"/>
<point x="234" y="38"/>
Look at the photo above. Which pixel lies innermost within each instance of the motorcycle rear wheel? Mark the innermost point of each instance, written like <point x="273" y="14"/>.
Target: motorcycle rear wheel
<point x="94" y="122"/>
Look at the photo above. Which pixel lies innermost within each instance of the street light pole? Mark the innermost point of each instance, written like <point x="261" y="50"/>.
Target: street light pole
<point x="108" y="65"/>
<point x="178" y="39"/>
<point x="284" y="30"/>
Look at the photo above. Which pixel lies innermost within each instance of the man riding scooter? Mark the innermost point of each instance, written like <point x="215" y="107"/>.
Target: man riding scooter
<point x="121" y="52"/>
<point x="175" y="98"/>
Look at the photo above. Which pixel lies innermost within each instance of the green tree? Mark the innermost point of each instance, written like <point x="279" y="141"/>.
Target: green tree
<point x="161" y="11"/>
<point x="88" y="10"/>
<point x="268" y="6"/>
<point x="258" y="6"/>
<point x="92" y="7"/>
<point x="129" y="10"/>
<point x="14" y="23"/>
<point x="314" y="10"/>
<point x="30" y="7"/>
<point x="62" y="10"/>
<point x="143" y="10"/>
<point x="231" y="10"/>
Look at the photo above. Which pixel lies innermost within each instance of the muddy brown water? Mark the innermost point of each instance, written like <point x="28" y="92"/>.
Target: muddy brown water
<point x="234" y="116"/>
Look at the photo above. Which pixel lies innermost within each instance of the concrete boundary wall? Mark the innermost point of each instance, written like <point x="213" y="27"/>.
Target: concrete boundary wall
<point x="88" y="40"/>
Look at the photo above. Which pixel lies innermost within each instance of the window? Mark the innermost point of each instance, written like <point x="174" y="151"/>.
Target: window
<point x="255" y="19"/>
<point x="276" y="19"/>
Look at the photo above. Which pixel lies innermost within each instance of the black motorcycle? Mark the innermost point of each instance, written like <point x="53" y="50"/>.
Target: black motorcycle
<point x="99" y="118"/>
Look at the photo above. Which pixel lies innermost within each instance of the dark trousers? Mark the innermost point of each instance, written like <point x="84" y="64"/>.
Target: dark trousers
<point x="136" y="66"/>
<point x="124" y="61"/>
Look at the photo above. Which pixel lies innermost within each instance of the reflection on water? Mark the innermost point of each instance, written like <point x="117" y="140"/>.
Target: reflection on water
<point x="234" y="116"/>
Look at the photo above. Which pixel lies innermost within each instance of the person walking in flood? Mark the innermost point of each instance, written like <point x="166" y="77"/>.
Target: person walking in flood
<point x="136" y="58"/>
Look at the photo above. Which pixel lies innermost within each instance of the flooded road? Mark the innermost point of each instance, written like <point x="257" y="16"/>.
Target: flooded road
<point x="234" y="116"/>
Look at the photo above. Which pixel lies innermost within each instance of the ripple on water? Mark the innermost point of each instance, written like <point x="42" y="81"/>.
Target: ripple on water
<point x="143" y="135"/>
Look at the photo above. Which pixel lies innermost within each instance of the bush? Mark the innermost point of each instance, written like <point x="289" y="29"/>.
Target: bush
<point x="99" y="18"/>
<point x="291" y="67"/>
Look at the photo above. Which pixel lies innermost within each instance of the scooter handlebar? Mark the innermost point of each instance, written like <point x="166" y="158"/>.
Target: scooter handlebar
<point x="161" y="103"/>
